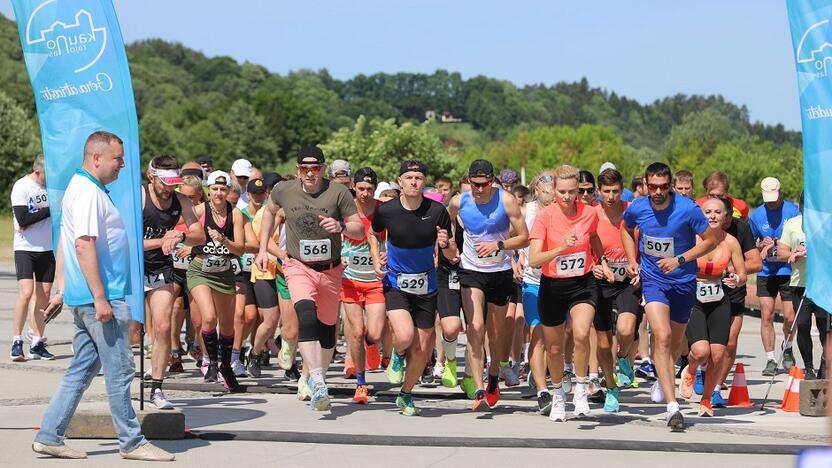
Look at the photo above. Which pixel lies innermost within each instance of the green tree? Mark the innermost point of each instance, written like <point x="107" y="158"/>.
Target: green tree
<point x="18" y="145"/>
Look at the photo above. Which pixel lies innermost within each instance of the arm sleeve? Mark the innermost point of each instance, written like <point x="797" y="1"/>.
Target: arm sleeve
<point x="24" y="218"/>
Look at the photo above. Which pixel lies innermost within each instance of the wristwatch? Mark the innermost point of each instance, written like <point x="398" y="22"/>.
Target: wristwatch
<point x="500" y="245"/>
<point x="681" y="260"/>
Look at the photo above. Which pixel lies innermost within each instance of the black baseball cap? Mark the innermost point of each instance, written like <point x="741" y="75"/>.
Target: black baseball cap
<point x="309" y="152"/>
<point x="256" y="185"/>
<point x="481" y="168"/>
<point x="366" y="174"/>
<point x="204" y="159"/>
<point x="271" y="179"/>
<point x="412" y="165"/>
<point x="192" y="171"/>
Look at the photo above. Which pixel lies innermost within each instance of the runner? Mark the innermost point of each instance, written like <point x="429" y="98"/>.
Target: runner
<point x="34" y="261"/>
<point x="449" y="305"/>
<point x="361" y="291"/>
<point x="162" y="207"/>
<point x="586" y="188"/>
<point x="792" y="248"/>
<point x="211" y="279"/>
<point x="544" y="190"/>
<point x="717" y="185"/>
<point x="767" y="226"/>
<point x="415" y="226"/>
<point x="445" y="186"/>
<point x="317" y="213"/>
<point x="246" y="315"/>
<point x="622" y="294"/>
<point x="683" y="184"/>
<point x="487" y="214"/>
<point x="565" y="245"/>
<point x="668" y="224"/>
<point x="710" y="319"/>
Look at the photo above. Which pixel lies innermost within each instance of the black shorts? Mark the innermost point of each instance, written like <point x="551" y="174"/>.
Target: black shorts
<point x="516" y="294"/>
<point x="37" y="265"/>
<point x="180" y="277"/>
<point x="557" y="296"/>
<point x="157" y="277"/>
<point x="737" y="308"/>
<point x="422" y="308"/>
<point x="448" y="301"/>
<point x="710" y="321"/>
<point x="265" y="293"/>
<point x="248" y="290"/>
<point x="770" y="286"/>
<point x="623" y="297"/>
<point x="497" y="286"/>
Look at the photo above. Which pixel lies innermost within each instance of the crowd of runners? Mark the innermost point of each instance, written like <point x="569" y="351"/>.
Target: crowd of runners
<point x="579" y="283"/>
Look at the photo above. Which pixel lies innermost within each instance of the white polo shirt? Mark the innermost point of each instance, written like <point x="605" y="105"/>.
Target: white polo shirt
<point x="88" y="211"/>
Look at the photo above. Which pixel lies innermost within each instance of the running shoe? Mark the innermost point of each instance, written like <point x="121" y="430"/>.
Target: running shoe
<point x="771" y="368"/>
<point x="427" y="375"/>
<point x="405" y="403"/>
<point x="611" y="404"/>
<point x="304" y="391"/>
<point x="706" y="409"/>
<point x="625" y="372"/>
<point x="40" y="352"/>
<point x="544" y="403"/>
<point x="449" y="379"/>
<point x="566" y="381"/>
<point x="593" y="386"/>
<point x="519" y="371"/>
<point x="788" y="358"/>
<point x="271" y="344"/>
<point x="395" y="371"/>
<point x="686" y="383"/>
<point x="238" y="368"/>
<point x="293" y="374"/>
<point x="320" y="398"/>
<point x="530" y="381"/>
<point x="245" y="355"/>
<point x="509" y="375"/>
<point x="699" y="382"/>
<point x="438" y="370"/>
<point x="656" y="393"/>
<point x="17" y="351"/>
<point x="211" y="373"/>
<point x="175" y="363"/>
<point x="160" y="401"/>
<point x="717" y="400"/>
<point x="479" y="399"/>
<point x="674" y="416"/>
<point x="809" y="374"/>
<point x="195" y="353"/>
<point x="360" y="395"/>
<point x="558" y="412"/>
<point x="254" y="369"/>
<point x="229" y="380"/>
<point x="468" y="386"/>
<point x="492" y="395"/>
<point x="579" y="400"/>
<point x="646" y="371"/>
<point x="286" y="356"/>
<point x="372" y="357"/>
<point x="349" y="368"/>
<point x="385" y="362"/>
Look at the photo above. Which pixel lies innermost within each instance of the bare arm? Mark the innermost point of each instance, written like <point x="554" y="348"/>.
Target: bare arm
<point x="538" y="258"/>
<point x="629" y="243"/>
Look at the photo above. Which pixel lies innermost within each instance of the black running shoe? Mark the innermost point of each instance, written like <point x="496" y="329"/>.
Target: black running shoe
<point x="544" y="403"/>
<point x="253" y="369"/>
<point x="230" y="380"/>
<point x="293" y="374"/>
<point x="212" y="373"/>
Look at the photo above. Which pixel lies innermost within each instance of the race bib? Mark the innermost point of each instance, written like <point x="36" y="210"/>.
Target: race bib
<point x="319" y="250"/>
<point x="709" y="291"/>
<point x="235" y="266"/>
<point x="491" y="259"/>
<point x="215" y="264"/>
<point x="453" y="279"/>
<point x="247" y="260"/>
<point x="413" y="283"/>
<point x="571" y="265"/>
<point x="154" y="280"/>
<point x="362" y="262"/>
<point x="661" y="247"/>
<point x="179" y="263"/>
<point x="772" y="254"/>
<point x="619" y="269"/>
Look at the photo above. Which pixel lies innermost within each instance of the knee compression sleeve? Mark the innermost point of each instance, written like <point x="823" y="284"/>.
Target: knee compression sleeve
<point x="307" y="313"/>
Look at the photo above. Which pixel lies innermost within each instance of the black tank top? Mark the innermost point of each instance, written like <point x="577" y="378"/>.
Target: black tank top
<point x="227" y="230"/>
<point x="156" y="224"/>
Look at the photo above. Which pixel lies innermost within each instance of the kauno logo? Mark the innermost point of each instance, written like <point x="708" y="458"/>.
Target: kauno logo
<point x="78" y="38"/>
<point x="814" y="48"/>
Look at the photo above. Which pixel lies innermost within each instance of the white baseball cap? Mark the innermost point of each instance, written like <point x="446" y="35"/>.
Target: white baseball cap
<point x="241" y="168"/>
<point x="770" y="187"/>
<point x="605" y="166"/>
<point x="382" y="186"/>
<point x="212" y="178"/>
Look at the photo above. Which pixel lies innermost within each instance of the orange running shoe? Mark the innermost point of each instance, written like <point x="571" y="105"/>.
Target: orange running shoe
<point x="349" y="368"/>
<point x="686" y="383"/>
<point x="706" y="408"/>
<point x="492" y="397"/>
<point x="373" y="360"/>
<point x="360" y="396"/>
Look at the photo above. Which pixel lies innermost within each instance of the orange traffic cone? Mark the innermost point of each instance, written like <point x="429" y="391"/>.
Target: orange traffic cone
<point x="791" y="402"/>
<point x="739" y="389"/>
<point x="792" y="371"/>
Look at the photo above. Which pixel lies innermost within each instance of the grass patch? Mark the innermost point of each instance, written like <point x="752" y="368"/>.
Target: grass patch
<point x="6" y="239"/>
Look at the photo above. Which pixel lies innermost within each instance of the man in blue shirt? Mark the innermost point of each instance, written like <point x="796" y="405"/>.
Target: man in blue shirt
<point x="767" y="227"/>
<point x="668" y="224"/>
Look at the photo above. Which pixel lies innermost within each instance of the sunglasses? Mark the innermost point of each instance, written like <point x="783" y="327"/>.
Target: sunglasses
<point x="313" y="168"/>
<point x="587" y="190"/>
<point x="656" y="187"/>
<point x="482" y="184"/>
<point x="546" y="179"/>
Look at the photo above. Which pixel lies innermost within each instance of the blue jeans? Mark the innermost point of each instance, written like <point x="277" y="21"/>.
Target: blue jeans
<point x="97" y="345"/>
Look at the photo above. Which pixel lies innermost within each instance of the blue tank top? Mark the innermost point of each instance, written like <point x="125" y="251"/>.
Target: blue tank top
<point x="484" y="223"/>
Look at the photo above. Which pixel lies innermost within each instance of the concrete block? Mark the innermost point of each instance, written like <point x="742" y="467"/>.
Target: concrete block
<point x="813" y="397"/>
<point x="98" y="424"/>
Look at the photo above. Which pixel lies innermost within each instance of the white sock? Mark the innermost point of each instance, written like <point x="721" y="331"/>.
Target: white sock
<point x="770" y="355"/>
<point x="17" y="338"/>
<point x="541" y="392"/>
<point x="672" y="407"/>
<point x="593" y="375"/>
<point x="317" y="376"/>
<point x="450" y="348"/>
<point x="36" y="340"/>
<point x="717" y="388"/>
<point x="648" y="360"/>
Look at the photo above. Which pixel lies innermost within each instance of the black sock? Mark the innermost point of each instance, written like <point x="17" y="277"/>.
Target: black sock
<point x="211" y="345"/>
<point x="493" y="382"/>
<point x="154" y="384"/>
<point x="226" y="345"/>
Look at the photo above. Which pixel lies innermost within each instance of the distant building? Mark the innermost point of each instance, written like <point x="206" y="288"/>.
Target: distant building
<point x="447" y="117"/>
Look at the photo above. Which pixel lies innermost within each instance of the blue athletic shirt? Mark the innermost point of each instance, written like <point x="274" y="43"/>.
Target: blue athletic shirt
<point x="484" y="223"/>
<point x="676" y="226"/>
<point x="769" y="223"/>
<point x="411" y="236"/>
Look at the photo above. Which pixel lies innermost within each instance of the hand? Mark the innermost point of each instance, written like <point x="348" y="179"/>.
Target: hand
<point x="485" y="249"/>
<point x="732" y="280"/>
<point x="442" y="238"/>
<point x="170" y="240"/>
<point x="262" y="261"/>
<point x="598" y="271"/>
<point x="520" y="271"/>
<point x="215" y="235"/>
<point x="570" y="241"/>
<point x="103" y="310"/>
<point x="330" y="225"/>
<point x="608" y="274"/>
<point x="668" y="264"/>
<point x="797" y="254"/>
<point x="56" y="301"/>
<point x="635" y="280"/>
<point x="183" y="252"/>
<point x="632" y="269"/>
<point x="382" y="256"/>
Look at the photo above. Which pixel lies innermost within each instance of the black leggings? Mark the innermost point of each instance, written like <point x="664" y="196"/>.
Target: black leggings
<point x="804" y="325"/>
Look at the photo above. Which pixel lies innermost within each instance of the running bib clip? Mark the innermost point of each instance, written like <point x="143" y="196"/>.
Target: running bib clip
<point x="661" y="247"/>
<point x="413" y="283"/>
<point x="318" y="250"/>
<point x="709" y="291"/>
<point x="571" y="265"/>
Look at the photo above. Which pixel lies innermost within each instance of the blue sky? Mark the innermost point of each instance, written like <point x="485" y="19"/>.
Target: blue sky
<point x="645" y="49"/>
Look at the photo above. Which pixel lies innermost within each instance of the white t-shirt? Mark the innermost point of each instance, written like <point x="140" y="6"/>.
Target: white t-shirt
<point x="36" y="237"/>
<point x="88" y="211"/>
<point x="531" y="275"/>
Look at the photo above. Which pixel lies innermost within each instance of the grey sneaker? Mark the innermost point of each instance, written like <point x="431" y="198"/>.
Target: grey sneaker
<point x="57" y="451"/>
<point x="160" y="401"/>
<point x="148" y="452"/>
<point x="788" y="358"/>
<point x="771" y="368"/>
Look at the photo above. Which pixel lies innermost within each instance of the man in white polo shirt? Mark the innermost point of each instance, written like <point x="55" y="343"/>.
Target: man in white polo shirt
<point x="96" y="258"/>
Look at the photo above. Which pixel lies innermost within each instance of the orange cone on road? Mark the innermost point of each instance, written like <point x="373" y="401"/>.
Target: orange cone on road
<point x="791" y="402"/>
<point x="739" y="389"/>
<point x="792" y="371"/>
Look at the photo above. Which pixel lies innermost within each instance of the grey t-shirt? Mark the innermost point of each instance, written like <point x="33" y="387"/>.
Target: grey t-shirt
<point x="306" y="240"/>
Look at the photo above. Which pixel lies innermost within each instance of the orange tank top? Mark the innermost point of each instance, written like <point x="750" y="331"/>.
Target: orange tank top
<point x="715" y="266"/>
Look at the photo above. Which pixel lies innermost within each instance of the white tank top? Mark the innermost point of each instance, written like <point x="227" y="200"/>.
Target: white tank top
<point x="530" y="275"/>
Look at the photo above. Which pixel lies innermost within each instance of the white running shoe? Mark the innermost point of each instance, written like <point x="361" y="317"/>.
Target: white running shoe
<point x="674" y="416"/>
<point x="286" y="356"/>
<point x="438" y="370"/>
<point x="558" y="412"/>
<point x="579" y="399"/>
<point x="239" y="369"/>
<point x="160" y="401"/>
<point x="509" y="376"/>
<point x="656" y="393"/>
